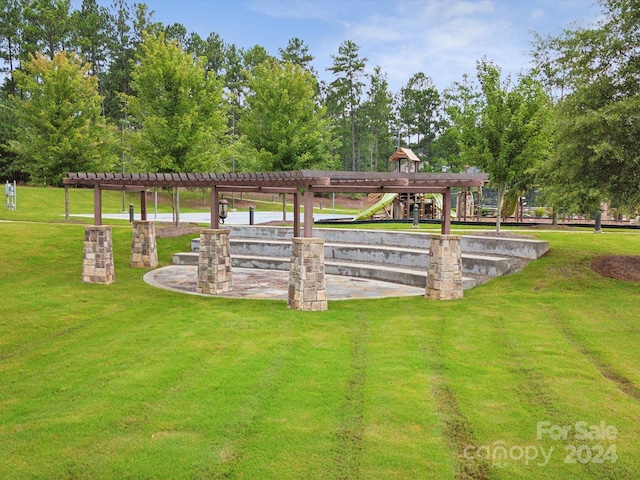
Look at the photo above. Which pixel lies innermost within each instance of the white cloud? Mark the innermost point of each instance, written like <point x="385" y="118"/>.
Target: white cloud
<point x="443" y="39"/>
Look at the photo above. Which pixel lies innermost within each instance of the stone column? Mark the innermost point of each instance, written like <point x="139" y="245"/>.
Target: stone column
<point x="444" y="281"/>
<point x="97" y="262"/>
<point x="214" y="262"/>
<point x="143" y="245"/>
<point x="307" y="287"/>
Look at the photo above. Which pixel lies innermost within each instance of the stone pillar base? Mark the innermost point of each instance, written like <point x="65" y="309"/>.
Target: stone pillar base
<point x="307" y="287"/>
<point x="444" y="281"/>
<point x="143" y="245"/>
<point x="97" y="262"/>
<point x="214" y="262"/>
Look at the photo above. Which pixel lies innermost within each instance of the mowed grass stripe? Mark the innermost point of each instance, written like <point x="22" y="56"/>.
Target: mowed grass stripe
<point x="456" y="428"/>
<point x="402" y="430"/>
<point x="128" y="381"/>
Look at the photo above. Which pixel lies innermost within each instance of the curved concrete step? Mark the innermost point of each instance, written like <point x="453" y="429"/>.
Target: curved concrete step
<point x="403" y="276"/>
<point x="482" y="245"/>
<point x="394" y="256"/>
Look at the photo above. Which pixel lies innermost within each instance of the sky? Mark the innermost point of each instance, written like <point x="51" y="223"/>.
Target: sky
<point x="441" y="38"/>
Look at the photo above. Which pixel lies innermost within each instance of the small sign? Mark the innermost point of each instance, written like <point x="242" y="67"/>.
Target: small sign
<point x="10" y="195"/>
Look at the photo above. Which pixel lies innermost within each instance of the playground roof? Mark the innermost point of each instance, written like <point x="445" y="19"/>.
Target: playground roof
<point x="403" y="153"/>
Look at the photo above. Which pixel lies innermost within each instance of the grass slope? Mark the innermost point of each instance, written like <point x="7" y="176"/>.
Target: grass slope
<point x="129" y="381"/>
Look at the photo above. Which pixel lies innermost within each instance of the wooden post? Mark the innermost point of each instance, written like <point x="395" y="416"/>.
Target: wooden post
<point x="284" y="207"/>
<point x="97" y="206"/>
<point x="446" y="212"/>
<point x="296" y="214"/>
<point x="308" y="213"/>
<point x="143" y="205"/>
<point x="215" y="218"/>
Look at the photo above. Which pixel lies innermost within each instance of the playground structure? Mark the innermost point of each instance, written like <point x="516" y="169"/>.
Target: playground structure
<point x="399" y="206"/>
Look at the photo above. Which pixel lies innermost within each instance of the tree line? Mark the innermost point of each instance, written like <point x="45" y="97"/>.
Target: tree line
<point x="111" y="89"/>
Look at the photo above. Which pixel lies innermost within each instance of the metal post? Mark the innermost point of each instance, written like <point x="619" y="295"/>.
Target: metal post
<point x="177" y="206"/>
<point x="66" y="203"/>
<point x="416" y="212"/>
<point x="131" y="213"/>
<point x="598" y="222"/>
<point x="233" y="194"/>
<point x="251" y="213"/>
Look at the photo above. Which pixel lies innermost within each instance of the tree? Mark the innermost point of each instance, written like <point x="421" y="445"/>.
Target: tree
<point x="597" y="152"/>
<point x="212" y="50"/>
<point x="297" y="52"/>
<point x="234" y="79"/>
<point x="346" y="89"/>
<point x="47" y="27"/>
<point x="126" y="29"/>
<point x="282" y="119"/>
<point x="419" y="111"/>
<point x="376" y="111"/>
<point x="177" y="108"/>
<point x="10" y="30"/>
<point x="60" y="128"/>
<point x="177" y="32"/>
<point x="504" y="131"/>
<point x="90" y="33"/>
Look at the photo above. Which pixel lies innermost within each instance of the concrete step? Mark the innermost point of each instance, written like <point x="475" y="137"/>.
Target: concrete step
<point x="481" y="245"/>
<point x="403" y="276"/>
<point x="393" y="256"/>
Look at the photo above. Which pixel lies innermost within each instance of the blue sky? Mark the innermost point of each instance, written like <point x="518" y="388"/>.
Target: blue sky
<point x="441" y="38"/>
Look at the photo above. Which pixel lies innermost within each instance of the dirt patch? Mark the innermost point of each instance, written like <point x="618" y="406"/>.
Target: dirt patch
<point x="620" y="267"/>
<point x="503" y="235"/>
<point x="170" y="231"/>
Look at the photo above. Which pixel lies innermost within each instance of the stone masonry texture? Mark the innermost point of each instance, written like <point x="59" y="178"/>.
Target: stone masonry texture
<point x="444" y="280"/>
<point x="214" y="262"/>
<point x="307" y="287"/>
<point x="144" y="253"/>
<point x="97" y="261"/>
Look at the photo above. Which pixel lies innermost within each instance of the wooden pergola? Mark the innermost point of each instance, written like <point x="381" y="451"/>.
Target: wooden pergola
<point x="302" y="183"/>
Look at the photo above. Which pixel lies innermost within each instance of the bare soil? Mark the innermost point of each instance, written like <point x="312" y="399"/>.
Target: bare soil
<point x="502" y="235"/>
<point x="620" y="267"/>
<point x="169" y="231"/>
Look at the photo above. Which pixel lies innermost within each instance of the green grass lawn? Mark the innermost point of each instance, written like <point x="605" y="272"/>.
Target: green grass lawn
<point x="130" y="381"/>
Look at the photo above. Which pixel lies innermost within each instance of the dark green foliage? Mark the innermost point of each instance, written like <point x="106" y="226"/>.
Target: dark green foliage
<point x="597" y="156"/>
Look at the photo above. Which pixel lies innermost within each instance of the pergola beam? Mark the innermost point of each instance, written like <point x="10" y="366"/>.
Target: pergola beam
<point x="293" y="182"/>
<point x="373" y="189"/>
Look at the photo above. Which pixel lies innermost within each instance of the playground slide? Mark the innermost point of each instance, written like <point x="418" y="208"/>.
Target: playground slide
<point x="387" y="198"/>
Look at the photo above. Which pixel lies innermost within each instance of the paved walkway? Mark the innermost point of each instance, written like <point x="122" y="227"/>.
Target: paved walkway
<point x="274" y="284"/>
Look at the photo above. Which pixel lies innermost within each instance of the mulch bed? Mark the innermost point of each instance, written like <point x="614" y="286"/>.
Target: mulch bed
<point x="173" y="231"/>
<point x="620" y="267"/>
<point x="502" y="234"/>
